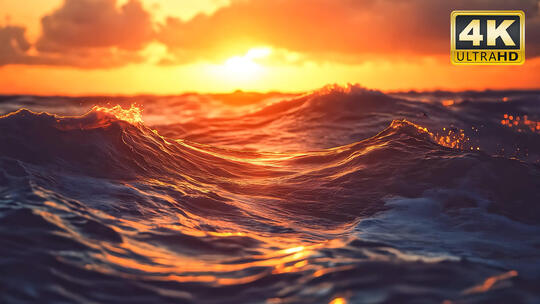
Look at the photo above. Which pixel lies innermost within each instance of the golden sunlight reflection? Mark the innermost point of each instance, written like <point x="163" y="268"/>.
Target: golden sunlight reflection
<point x="163" y="264"/>
<point x="448" y="102"/>
<point x="490" y="282"/>
<point x="338" y="301"/>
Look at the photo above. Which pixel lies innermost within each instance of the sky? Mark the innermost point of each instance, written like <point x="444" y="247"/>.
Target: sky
<point x="94" y="47"/>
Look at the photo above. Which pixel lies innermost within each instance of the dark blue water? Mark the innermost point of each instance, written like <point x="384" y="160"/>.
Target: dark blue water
<point x="340" y="195"/>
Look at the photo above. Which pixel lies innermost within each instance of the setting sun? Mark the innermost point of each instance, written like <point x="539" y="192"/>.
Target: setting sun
<point x="241" y="69"/>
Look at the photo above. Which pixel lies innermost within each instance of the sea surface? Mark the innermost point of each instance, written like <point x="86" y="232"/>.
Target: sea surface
<point x="340" y="195"/>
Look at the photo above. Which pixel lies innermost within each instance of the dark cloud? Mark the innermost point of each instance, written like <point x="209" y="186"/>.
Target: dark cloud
<point x="13" y="45"/>
<point x="330" y="29"/>
<point x="14" y="49"/>
<point x="96" y="24"/>
<point x="84" y="34"/>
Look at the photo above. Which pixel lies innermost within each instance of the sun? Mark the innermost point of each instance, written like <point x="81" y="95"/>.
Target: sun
<point x="241" y="67"/>
<point x="246" y="68"/>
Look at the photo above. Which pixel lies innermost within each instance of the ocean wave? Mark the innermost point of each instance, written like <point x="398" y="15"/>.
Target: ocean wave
<point x="105" y="207"/>
<point x="102" y="145"/>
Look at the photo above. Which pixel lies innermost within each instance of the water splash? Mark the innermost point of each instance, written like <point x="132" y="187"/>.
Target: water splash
<point x="520" y="123"/>
<point x="133" y="114"/>
<point x="450" y="138"/>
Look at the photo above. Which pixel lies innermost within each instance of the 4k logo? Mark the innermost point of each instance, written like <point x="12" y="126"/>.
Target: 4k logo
<point x="487" y="37"/>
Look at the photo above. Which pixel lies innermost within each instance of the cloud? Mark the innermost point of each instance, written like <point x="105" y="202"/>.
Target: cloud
<point x="101" y="34"/>
<point x="13" y="45"/>
<point x="84" y="34"/>
<point x="96" y="24"/>
<point x="329" y="29"/>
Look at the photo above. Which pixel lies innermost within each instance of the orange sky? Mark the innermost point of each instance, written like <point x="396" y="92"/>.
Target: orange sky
<point x="78" y="47"/>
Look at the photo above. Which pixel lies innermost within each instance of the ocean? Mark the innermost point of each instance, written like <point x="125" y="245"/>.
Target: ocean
<point x="340" y="195"/>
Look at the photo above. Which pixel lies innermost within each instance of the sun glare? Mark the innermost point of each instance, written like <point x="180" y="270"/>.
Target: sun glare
<point x="245" y="68"/>
<point x="241" y="67"/>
